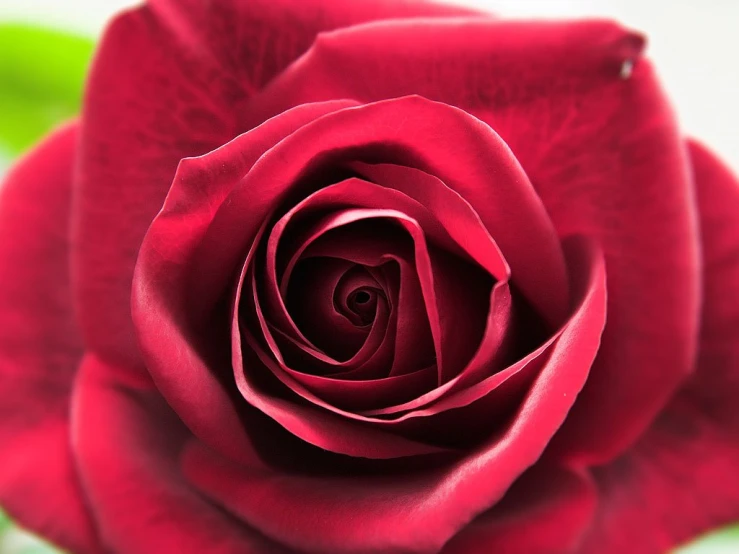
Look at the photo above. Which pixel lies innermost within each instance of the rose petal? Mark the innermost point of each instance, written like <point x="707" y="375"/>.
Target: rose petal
<point x="318" y="427"/>
<point x="128" y="443"/>
<point x="461" y="313"/>
<point x="413" y="510"/>
<point x="412" y="324"/>
<point x="680" y="479"/>
<point x="646" y="223"/>
<point x="481" y="64"/>
<point x="368" y="394"/>
<point x="234" y="32"/>
<point x="171" y="79"/>
<point x="465" y="412"/>
<point x="603" y="153"/>
<point x="325" y="428"/>
<point x="485" y="362"/>
<point x="291" y="248"/>
<point x="545" y="512"/>
<point x="370" y="361"/>
<point x="469" y="154"/>
<point x="357" y="295"/>
<point x="163" y="304"/>
<point x="452" y="212"/>
<point x="498" y="328"/>
<point x="320" y="239"/>
<point x="320" y="145"/>
<point x="40" y="347"/>
<point x="408" y="333"/>
<point x="456" y="416"/>
<point x="313" y="302"/>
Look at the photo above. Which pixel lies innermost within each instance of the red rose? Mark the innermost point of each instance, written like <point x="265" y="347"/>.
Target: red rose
<point x="369" y="277"/>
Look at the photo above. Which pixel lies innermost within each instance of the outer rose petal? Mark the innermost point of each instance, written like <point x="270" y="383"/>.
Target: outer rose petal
<point x="545" y="512"/>
<point x="128" y="444"/>
<point x="171" y="80"/>
<point x="40" y="347"/>
<point x="681" y="478"/>
<point x="603" y="153"/>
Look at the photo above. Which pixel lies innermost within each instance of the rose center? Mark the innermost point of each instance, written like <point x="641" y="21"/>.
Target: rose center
<point x="362" y="297"/>
<point x="362" y="302"/>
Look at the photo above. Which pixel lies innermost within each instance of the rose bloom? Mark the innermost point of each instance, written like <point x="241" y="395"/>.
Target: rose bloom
<point x="369" y="276"/>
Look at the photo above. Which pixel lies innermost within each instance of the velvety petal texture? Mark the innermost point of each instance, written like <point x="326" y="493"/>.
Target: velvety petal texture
<point x="602" y="152"/>
<point x="525" y="401"/>
<point x="680" y="479"/>
<point x="40" y="347"/>
<point x="401" y="511"/>
<point x="371" y="276"/>
<point x="172" y="79"/>
<point x="140" y="500"/>
<point x="547" y="511"/>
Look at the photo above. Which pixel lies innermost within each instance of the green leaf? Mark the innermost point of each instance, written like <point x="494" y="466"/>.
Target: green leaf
<point x="4" y="523"/>
<point x="724" y="541"/>
<point x="14" y="540"/>
<point x="42" y="75"/>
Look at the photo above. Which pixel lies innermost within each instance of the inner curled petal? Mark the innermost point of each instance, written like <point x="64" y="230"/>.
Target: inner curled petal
<point x="356" y="297"/>
<point x="375" y="258"/>
<point x="313" y="302"/>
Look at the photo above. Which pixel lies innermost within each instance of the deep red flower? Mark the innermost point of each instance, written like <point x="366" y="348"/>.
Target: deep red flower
<point x="368" y="277"/>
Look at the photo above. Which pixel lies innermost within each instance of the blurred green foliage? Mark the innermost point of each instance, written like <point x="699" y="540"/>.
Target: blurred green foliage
<point x="14" y="540"/>
<point x="4" y="523"/>
<point x="725" y="541"/>
<point x="42" y="74"/>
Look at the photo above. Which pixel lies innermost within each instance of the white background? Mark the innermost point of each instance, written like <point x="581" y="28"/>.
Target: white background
<point x="695" y="44"/>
